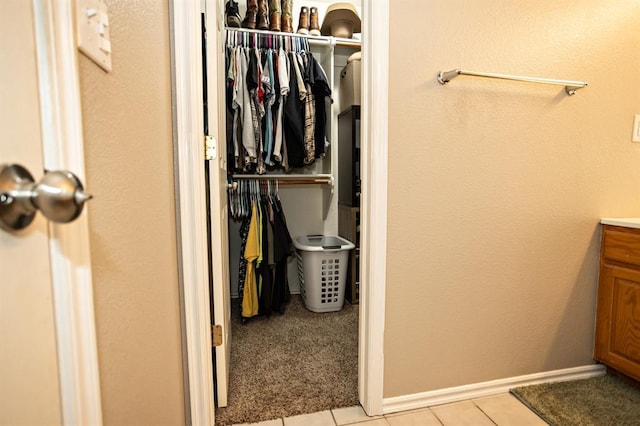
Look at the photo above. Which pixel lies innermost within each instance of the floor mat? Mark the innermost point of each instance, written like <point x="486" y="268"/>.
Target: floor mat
<point x="602" y="400"/>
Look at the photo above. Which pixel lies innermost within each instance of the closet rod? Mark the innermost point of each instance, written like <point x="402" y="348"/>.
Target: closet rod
<point x="320" y="40"/>
<point x="313" y="40"/>
<point x="352" y="44"/>
<point x="570" y="86"/>
<point x="324" y="179"/>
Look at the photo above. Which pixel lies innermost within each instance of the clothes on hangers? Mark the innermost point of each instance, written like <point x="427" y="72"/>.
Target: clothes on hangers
<point x="251" y="254"/>
<point x="265" y="249"/>
<point x="276" y="103"/>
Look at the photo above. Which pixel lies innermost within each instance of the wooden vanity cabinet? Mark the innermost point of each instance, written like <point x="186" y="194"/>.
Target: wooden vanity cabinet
<point x="617" y="341"/>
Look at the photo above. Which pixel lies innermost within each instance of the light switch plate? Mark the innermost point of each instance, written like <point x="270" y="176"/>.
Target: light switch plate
<point x="636" y="128"/>
<point x="92" y="19"/>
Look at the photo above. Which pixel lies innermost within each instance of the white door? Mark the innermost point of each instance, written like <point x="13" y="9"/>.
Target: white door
<point x="28" y="358"/>
<point x="218" y="195"/>
<point x="48" y="362"/>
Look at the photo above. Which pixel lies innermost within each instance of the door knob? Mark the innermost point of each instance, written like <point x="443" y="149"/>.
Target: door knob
<point x="59" y="196"/>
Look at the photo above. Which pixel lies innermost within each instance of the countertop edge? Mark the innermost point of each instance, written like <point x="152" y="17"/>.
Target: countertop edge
<point x="629" y="222"/>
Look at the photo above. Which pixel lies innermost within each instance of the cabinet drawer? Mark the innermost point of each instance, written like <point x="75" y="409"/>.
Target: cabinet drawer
<point x="621" y="244"/>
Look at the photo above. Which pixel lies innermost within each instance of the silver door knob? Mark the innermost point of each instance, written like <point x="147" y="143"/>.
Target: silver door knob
<point x="59" y="196"/>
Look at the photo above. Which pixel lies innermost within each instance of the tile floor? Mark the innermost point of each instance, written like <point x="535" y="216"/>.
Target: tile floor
<point x="503" y="409"/>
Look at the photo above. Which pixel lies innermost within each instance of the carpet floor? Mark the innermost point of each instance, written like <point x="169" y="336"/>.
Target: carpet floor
<point x="296" y="363"/>
<point x="602" y="400"/>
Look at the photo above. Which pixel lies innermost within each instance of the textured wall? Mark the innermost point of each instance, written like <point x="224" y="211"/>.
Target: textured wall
<point x="127" y="126"/>
<point x="496" y="187"/>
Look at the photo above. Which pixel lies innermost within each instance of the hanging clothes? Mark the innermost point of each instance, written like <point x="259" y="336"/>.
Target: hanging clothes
<point x="282" y="247"/>
<point x="294" y="116"/>
<point x="278" y="98"/>
<point x="251" y="253"/>
<point x="282" y="66"/>
<point x="266" y="246"/>
<point x="321" y="90"/>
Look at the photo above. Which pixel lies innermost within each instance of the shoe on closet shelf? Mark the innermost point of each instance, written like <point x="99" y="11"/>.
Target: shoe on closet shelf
<point x="251" y="15"/>
<point x="262" y="20"/>
<point x="303" y="22"/>
<point x="286" y="20"/>
<point x="232" y="14"/>
<point x="314" y="28"/>
<point x="275" y="15"/>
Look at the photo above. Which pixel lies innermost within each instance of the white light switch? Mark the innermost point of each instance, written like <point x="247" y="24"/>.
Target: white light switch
<point x="93" y="31"/>
<point x="636" y="129"/>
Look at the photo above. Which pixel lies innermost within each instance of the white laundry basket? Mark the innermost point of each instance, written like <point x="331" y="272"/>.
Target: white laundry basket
<point x="322" y="271"/>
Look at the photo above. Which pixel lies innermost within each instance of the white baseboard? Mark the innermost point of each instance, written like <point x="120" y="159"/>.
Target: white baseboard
<point x="477" y="390"/>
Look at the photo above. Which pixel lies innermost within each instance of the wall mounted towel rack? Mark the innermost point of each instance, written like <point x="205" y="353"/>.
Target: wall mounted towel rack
<point x="570" y="86"/>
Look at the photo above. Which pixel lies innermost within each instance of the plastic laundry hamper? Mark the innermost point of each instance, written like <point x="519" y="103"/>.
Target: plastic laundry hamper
<point x="322" y="271"/>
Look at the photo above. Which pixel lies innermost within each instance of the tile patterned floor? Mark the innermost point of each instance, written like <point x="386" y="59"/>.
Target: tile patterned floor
<point x="501" y="410"/>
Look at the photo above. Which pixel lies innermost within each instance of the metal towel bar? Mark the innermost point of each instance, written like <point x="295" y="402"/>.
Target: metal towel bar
<point x="570" y="86"/>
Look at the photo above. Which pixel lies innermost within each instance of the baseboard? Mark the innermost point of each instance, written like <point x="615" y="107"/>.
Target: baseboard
<point x="477" y="390"/>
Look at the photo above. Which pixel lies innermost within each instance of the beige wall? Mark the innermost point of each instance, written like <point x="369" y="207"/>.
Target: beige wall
<point x="496" y="187"/>
<point x="127" y="127"/>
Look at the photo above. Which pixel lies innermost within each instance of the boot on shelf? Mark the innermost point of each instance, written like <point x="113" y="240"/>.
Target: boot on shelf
<point x="274" y="15"/>
<point x="314" y="28"/>
<point x="263" y="15"/>
<point x="232" y="14"/>
<point x="303" y="22"/>
<point x="287" y="16"/>
<point x="251" y="15"/>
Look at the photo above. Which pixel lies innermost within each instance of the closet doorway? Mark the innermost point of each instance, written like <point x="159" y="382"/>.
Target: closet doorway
<point x="197" y="339"/>
<point x="283" y="359"/>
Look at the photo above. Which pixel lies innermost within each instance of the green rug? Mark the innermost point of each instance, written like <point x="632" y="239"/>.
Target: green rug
<point x="602" y="400"/>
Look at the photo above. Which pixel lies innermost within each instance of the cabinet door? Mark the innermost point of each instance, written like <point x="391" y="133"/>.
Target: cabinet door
<point x="618" y="322"/>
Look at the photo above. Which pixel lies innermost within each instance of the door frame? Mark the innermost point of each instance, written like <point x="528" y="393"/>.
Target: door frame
<point x="190" y="184"/>
<point x="63" y="149"/>
<point x="373" y="214"/>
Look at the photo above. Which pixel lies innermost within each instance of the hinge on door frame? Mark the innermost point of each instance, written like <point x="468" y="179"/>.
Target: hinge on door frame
<point x="210" y="148"/>
<point x="216" y="335"/>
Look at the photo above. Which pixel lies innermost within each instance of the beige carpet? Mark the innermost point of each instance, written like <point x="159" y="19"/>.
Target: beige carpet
<point x="285" y="365"/>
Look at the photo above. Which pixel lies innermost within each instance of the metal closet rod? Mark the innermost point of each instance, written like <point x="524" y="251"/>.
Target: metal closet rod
<point x="570" y="86"/>
<point x="309" y="38"/>
<point x="292" y="179"/>
<point x="313" y="40"/>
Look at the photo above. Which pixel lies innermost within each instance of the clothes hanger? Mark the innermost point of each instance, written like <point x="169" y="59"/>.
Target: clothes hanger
<point x="243" y="199"/>
<point x="231" y="196"/>
<point x="239" y="199"/>
<point x="236" y="202"/>
<point x="271" y="189"/>
<point x="252" y="184"/>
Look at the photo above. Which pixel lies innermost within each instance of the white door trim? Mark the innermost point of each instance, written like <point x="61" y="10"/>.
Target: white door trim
<point x="62" y="141"/>
<point x="373" y="240"/>
<point x="188" y="141"/>
<point x="188" y="131"/>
